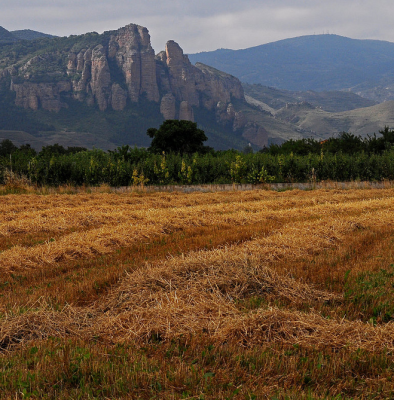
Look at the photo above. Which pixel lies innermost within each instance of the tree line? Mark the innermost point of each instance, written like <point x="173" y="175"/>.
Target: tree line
<point x="346" y="143"/>
<point x="344" y="158"/>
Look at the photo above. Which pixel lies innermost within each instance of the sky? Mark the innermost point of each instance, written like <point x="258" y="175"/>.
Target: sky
<point x="205" y="25"/>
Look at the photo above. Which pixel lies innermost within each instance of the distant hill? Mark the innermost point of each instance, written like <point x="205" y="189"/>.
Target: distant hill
<point x="20" y="138"/>
<point x="361" y="121"/>
<point x="28" y="34"/>
<point x="317" y="62"/>
<point x="6" y="36"/>
<point x="331" y="101"/>
<point x="293" y="115"/>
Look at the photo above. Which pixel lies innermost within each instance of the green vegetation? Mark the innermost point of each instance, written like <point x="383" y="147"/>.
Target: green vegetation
<point x="345" y="143"/>
<point x="372" y="294"/>
<point x="28" y="34"/>
<point x="68" y="369"/>
<point x="342" y="159"/>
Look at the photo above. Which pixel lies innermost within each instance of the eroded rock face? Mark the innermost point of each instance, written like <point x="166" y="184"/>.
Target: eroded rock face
<point x="45" y="95"/>
<point x="219" y="86"/>
<point x="239" y="121"/>
<point x="118" y="97"/>
<point x="186" y="112"/>
<point x="96" y="74"/>
<point x="256" y="134"/>
<point x="168" y="106"/>
<point x="130" y="48"/>
<point x="100" y="83"/>
<point x="111" y="69"/>
<point x="183" y="76"/>
<point x="121" y="66"/>
<point x="200" y="85"/>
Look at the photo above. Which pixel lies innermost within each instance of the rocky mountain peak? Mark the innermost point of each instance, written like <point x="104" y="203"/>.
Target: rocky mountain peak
<point x="174" y="54"/>
<point x="109" y="69"/>
<point x="118" y="67"/>
<point x="133" y="35"/>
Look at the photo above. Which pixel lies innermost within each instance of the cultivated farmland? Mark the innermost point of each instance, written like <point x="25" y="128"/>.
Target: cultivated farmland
<point x="232" y="295"/>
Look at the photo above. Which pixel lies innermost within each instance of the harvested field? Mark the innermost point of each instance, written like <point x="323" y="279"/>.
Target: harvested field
<point x="249" y="295"/>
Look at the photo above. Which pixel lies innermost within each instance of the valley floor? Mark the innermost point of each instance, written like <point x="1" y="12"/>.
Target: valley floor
<point x="231" y="295"/>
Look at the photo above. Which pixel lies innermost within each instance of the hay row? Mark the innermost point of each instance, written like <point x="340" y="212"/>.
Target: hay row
<point x="306" y="329"/>
<point x="17" y="206"/>
<point x="229" y="273"/>
<point x="152" y="223"/>
<point x="62" y="219"/>
<point x="227" y="326"/>
<point x="20" y="203"/>
<point x="197" y="295"/>
<point x="41" y="324"/>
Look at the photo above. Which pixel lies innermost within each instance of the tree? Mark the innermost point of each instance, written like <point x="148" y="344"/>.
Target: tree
<point x="175" y="136"/>
<point x="53" y="149"/>
<point x="7" y="148"/>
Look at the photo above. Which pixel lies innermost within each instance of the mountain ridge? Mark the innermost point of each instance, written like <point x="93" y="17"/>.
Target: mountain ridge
<point x="28" y="34"/>
<point x="312" y="62"/>
<point x="9" y="37"/>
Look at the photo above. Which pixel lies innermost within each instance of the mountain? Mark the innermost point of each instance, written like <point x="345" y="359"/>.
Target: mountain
<point x="105" y="90"/>
<point x="6" y="37"/>
<point x="316" y="62"/>
<point x="114" y="87"/>
<point x="320" y="115"/>
<point x="28" y="34"/>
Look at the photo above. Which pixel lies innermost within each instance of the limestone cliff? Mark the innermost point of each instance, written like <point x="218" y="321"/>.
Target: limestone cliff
<point x="114" y="67"/>
<point x="118" y="67"/>
<point x="35" y="95"/>
<point x="193" y="86"/>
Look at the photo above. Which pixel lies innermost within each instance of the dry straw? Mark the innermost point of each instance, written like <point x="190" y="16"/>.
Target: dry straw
<point x="141" y="225"/>
<point x="201" y="293"/>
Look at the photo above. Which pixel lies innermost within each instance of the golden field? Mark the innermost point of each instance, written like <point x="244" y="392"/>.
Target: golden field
<point x="232" y="295"/>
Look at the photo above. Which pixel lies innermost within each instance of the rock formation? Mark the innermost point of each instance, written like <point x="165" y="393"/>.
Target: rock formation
<point x="118" y="97"/>
<point x="192" y="86"/>
<point x="132" y="52"/>
<point x="35" y="95"/>
<point x="226" y="114"/>
<point x="256" y="134"/>
<point x="118" y="67"/>
<point x="100" y="82"/>
<point x="186" y="112"/>
<point x="168" y="106"/>
<point x="122" y="65"/>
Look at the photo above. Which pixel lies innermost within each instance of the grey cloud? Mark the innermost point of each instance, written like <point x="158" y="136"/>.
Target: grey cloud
<point x="205" y="24"/>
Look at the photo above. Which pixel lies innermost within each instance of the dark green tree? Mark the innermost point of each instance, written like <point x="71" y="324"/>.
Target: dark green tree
<point x="7" y="148"/>
<point x="52" y="150"/>
<point x="28" y="150"/>
<point x="175" y="136"/>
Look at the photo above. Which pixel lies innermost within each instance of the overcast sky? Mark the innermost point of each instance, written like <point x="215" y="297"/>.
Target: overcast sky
<point x="203" y="25"/>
